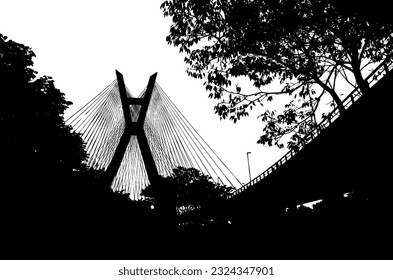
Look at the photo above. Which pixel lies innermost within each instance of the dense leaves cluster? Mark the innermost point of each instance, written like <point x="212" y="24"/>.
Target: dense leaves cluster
<point x="305" y="45"/>
<point x="49" y="199"/>
<point x="34" y="136"/>
<point x="186" y="189"/>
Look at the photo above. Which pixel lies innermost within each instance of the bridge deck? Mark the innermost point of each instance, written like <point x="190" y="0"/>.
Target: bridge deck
<point x="350" y="153"/>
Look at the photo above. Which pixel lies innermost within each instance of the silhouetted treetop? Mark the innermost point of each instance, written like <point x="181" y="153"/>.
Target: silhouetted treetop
<point x="51" y="202"/>
<point x="186" y="189"/>
<point x="31" y="114"/>
<point x="306" y="46"/>
<point x="377" y="10"/>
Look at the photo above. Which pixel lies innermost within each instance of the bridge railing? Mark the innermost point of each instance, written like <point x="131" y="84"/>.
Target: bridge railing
<point x="352" y="97"/>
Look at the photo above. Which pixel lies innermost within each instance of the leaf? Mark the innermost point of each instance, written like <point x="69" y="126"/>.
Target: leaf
<point x="292" y="42"/>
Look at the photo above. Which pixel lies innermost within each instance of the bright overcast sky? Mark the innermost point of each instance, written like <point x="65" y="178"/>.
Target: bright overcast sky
<point x="81" y="43"/>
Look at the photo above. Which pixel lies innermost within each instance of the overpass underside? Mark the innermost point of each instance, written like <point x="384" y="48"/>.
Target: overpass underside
<point x="352" y="154"/>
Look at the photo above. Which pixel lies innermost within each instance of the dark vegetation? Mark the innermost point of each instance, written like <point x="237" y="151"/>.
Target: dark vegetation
<point x="308" y="49"/>
<point x="53" y="206"/>
<point x="51" y="202"/>
<point x="187" y="189"/>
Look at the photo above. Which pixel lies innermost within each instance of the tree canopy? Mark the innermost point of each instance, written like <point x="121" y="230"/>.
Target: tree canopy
<point x="186" y="189"/>
<point x="51" y="201"/>
<point x="307" y="46"/>
<point x="34" y="135"/>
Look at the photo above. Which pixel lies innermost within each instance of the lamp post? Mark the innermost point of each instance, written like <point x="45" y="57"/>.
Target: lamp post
<point x="248" y="161"/>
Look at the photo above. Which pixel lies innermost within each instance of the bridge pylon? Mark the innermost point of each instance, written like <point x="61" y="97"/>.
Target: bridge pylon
<point x="133" y="126"/>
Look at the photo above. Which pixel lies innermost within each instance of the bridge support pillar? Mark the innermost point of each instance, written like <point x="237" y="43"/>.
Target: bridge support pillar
<point x="133" y="128"/>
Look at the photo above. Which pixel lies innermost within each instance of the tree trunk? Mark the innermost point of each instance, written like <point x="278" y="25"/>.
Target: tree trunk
<point x="334" y="95"/>
<point x="363" y="85"/>
<point x="337" y="100"/>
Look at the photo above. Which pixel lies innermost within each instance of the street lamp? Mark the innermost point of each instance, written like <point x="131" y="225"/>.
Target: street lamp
<point x="248" y="160"/>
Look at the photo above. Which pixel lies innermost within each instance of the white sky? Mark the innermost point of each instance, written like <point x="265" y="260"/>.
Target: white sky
<point x="81" y="43"/>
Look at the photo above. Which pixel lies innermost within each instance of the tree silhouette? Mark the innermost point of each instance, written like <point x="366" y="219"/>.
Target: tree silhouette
<point x="187" y="189"/>
<point x="51" y="203"/>
<point x="308" y="46"/>
<point x="34" y="136"/>
<point x="377" y="10"/>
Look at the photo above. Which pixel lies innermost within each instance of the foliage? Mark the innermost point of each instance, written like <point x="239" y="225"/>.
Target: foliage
<point x="187" y="189"/>
<point x="31" y="113"/>
<point x="50" y="200"/>
<point x="308" y="46"/>
<point x="36" y="141"/>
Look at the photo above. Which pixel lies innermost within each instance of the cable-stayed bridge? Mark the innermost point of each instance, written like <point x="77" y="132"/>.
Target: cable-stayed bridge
<point x="136" y="139"/>
<point x="156" y="137"/>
